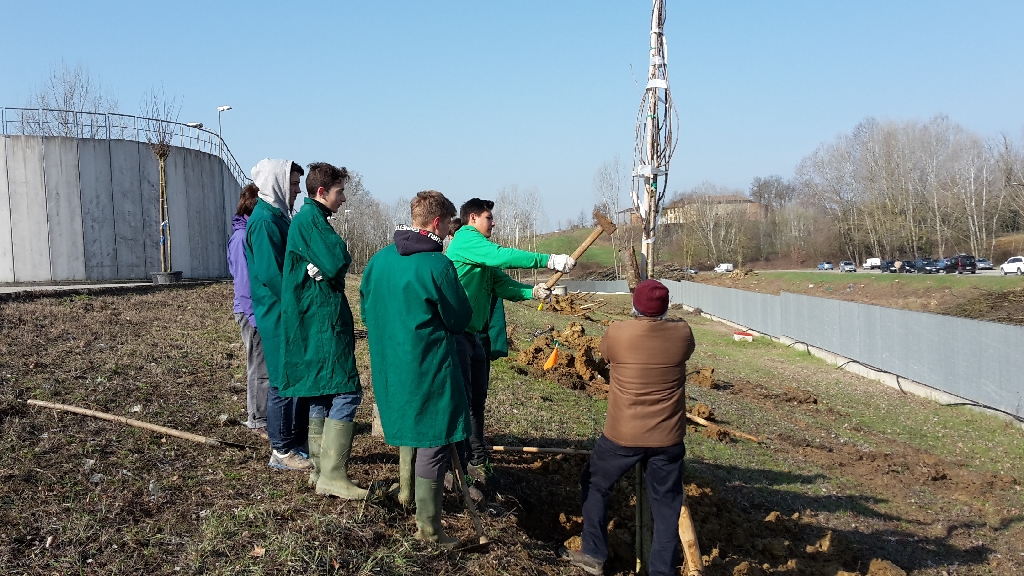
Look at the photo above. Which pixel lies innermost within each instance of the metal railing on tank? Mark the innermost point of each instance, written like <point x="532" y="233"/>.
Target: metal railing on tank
<point x="110" y="126"/>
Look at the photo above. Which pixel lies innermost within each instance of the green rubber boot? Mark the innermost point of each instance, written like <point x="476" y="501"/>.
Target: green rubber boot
<point x="403" y="489"/>
<point x="334" y="453"/>
<point x="316" y="435"/>
<point x="428" y="513"/>
<point x="406" y="476"/>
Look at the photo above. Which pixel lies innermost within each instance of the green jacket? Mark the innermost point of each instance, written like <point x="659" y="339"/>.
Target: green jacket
<point x="413" y="308"/>
<point x="319" y="333"/>
<point x="266" y="235"/>
<point x="478" y="262"/>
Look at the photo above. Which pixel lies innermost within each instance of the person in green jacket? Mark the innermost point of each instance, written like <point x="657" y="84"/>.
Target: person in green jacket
<point x="320" y="361"/>
<point x="479" y="263"/>
<point x="266" y="235"/>
<point x="414" y="309"/>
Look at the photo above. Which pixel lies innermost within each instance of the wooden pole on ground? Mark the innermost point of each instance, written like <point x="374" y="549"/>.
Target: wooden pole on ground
<point x="534" y="450"/>
<point x="704" y="422"/>
<point x="139" y="424"/>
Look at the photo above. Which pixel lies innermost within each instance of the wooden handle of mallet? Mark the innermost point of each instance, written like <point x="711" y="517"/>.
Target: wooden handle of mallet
<point x="688" y="538"/>
<point x="603" y="225"/>
<point x="457" y="465"/>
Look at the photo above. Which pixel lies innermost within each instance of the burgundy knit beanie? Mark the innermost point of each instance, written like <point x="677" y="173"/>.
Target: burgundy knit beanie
<point x="650" y="298"/>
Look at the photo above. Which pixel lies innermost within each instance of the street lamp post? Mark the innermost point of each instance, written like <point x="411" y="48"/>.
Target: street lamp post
<point x="220" y="146"/>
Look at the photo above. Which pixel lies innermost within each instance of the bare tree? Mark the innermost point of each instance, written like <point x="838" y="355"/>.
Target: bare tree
<point x="69" y="102"/>
<point x="609" y="182"/>
<point x="159" y="118"/>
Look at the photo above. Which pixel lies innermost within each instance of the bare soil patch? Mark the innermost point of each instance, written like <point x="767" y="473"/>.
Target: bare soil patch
<point x="821" y="495"/>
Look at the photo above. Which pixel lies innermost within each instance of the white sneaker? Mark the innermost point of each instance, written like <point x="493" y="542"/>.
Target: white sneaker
<point x="291" y="460"/>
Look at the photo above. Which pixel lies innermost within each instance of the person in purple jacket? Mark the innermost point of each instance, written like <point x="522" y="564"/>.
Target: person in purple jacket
<point x="257" y="380"/>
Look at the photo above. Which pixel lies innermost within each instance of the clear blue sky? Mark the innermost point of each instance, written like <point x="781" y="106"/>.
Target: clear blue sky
<point x="467" y="97"/>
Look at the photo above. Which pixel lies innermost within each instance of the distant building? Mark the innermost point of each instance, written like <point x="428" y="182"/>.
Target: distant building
<point x="689" y="208"/>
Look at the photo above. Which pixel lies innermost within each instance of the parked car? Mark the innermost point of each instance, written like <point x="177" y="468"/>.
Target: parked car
<point x="888" y="266"/>
<point x="1013" y="265"/>
<point x="946" y="265"/>
<point x="927" y="266"/>
<point x="872" y="263"/>
<point x="983" y="263"/>
<point x="847" y="266"/>
<point x="826" y="266"/>
<point x="909" y="267"/>
<point x="723" y="268"/>
<point x="691" y="269"/>
<point x="961" y="264"/>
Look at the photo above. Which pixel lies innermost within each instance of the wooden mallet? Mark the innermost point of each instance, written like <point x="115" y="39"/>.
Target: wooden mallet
<point x="604" y="226"/>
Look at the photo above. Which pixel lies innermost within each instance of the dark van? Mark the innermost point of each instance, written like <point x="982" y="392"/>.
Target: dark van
<point x="961" y="264"/>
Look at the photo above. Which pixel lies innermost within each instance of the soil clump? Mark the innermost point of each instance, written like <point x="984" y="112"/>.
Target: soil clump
<point x="579" y="365"/>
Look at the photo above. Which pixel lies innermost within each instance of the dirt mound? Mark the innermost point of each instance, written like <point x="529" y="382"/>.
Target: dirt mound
<point x="884" y="568"/>
<point x="796" y="396"/>
<point x="579" y="365"/>
<point x="1005" y="307"/>
<point x="579" y="304"/>
<point x="703" y="377"/>
<point x="702" y="410"/>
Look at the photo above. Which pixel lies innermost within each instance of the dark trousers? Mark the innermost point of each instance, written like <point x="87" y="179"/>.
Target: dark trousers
<point x="287" y="421"/>
<point x="475" y="363"/>
<point x="663" y="472"/>
<point x="433" y="463"/>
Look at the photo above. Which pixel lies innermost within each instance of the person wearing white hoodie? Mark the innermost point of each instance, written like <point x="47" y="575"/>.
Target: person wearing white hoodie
<point x="266" y="236"/>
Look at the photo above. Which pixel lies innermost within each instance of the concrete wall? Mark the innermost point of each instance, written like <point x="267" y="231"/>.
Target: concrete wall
<point x="6" y="246"/>
<point x="87" y="209"/>
<point x="968" y="358"/>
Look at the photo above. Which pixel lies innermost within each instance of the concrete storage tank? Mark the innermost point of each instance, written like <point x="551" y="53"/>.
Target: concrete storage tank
<point x="80" y="200"/>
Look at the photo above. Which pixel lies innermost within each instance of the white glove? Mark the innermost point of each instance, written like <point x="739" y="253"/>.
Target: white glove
<point x="541" y="292"/>
<point x="561" y="263"/>
<point x="314" y="272"/>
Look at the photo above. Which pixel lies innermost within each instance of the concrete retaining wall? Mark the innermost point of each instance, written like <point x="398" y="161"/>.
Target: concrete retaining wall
<point x="88" y="209"/>
<point x="964" y="358"/>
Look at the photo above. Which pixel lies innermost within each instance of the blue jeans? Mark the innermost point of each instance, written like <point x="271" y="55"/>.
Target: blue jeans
<point x="287" y="421"/>
<point x="335" y="406"/>
<point x="663" y="473"/>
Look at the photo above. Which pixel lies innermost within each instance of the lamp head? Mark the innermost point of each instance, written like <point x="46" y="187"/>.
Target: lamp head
<point x="194" y="124"/>
<point x="223" y="108"/>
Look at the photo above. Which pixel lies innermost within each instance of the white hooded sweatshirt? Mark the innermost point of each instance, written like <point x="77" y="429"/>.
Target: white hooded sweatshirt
<point x="273" y="177"/>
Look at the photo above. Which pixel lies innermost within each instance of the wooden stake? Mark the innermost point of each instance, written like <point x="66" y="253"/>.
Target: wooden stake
<point x="704" y="422"/>
<point x="139" y="424"/>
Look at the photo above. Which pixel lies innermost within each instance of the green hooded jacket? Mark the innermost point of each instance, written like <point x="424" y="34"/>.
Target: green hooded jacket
<point x="479" y="261"/>
<point x="319" y="333"/>
<point x="413" y="307"/>
<point x="266" y="235"/>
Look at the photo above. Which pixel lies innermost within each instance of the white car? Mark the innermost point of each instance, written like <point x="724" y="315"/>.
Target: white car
<point x="1014" y="265"/>
<point x="723" y="268"/>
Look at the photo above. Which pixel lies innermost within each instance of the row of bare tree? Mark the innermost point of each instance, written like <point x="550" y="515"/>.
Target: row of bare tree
<point x="887" y="189"/>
